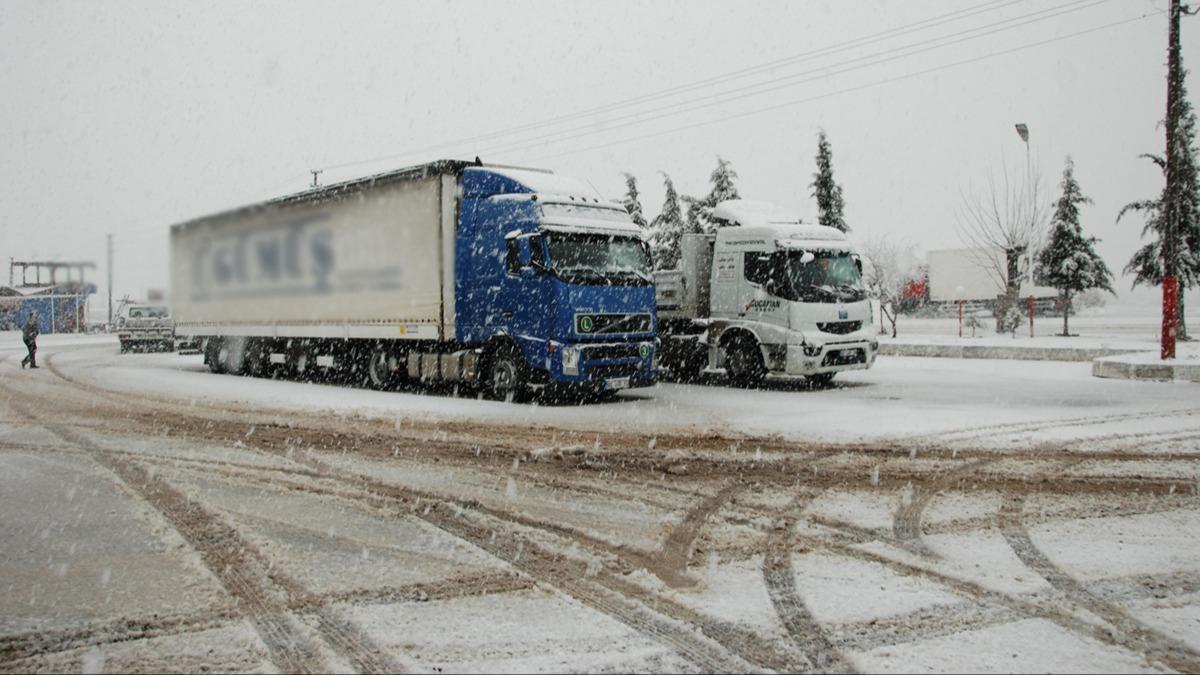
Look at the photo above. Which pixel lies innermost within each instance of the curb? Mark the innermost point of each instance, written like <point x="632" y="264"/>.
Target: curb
<point x="992" y="352"/>
<point x="1162" y="372"/>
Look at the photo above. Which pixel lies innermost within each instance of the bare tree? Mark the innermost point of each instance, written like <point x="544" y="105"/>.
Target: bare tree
<point x="1005" y="221"/>
<point x="889" y="266"/>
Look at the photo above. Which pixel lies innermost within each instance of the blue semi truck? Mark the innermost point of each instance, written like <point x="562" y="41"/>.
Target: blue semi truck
<point x="506" y="279"/>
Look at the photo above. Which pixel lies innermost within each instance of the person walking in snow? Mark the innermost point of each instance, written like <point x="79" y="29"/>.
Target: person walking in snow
<point x="29" y="334"/>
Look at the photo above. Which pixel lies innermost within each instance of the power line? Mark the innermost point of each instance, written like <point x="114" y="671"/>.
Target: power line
<point x="908" y="76"/>
<point x="880" y="36"/>
<point x="792" y="81"/>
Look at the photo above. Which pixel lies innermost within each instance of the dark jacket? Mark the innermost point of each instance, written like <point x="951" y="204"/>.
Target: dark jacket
<point x="30" y="331"/>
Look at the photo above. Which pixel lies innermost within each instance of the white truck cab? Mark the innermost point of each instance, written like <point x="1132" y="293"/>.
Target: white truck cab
<point x="766" y="294"/>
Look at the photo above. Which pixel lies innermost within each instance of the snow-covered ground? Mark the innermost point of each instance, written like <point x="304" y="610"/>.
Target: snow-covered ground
<point x="901" y="399"/>
<point x="927" y="515"/>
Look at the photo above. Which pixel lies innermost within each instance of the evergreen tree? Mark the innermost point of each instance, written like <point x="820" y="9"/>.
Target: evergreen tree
<point x="667" y="228"/>
<point x="830" y="205"/>
<point x="694" y="205"/>
<point x="699" y="213"/>
<point x="632" y="203"/>
<point x="1146" y="265"/>
<point x="1069" y="261"/>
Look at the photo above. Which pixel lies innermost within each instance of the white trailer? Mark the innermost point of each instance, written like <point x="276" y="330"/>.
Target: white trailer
<point x="765" y="294"/>
<point x="975" y="276"/>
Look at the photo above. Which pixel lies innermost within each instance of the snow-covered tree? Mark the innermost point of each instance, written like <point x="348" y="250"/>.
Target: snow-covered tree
<point x="1003" y="223"/>
<point x="633" y="203"/>
<point x="699" y="213"/>
<point x="830" y="204"/>
<point x="1069" y="261"/>
<point x="1146" y="265"/>
<point x="889" y="266"/>
<point x="667" y="229"/>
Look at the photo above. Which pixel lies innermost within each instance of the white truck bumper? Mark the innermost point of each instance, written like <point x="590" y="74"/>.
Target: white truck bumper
<point x="830" y="357"/>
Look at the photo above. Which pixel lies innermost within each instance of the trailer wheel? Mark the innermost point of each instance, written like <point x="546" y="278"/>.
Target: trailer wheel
<point x="212" y="355"/>
<point x="744" y="362"/>
<point x="381" y="368"/>
<point x="506" y="377"/>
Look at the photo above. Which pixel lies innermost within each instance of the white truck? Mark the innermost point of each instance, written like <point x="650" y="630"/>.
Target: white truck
<point x="146" y="327"/>
<point x="764" y="295"/>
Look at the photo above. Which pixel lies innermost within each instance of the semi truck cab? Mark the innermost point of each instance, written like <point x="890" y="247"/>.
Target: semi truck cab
<point x="567" y="278"/>
<point x="767" y="294"/>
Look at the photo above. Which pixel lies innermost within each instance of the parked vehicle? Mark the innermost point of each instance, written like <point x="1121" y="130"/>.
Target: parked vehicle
<point x="506" y="278"/>
<point x="765" y="295"/>
<point x="146" y="328"/>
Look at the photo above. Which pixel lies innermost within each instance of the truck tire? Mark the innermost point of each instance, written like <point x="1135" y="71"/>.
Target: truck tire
<point x="381" y="368"/>
<point x="124" y="346"/>
<point x="507" y="378"/>
<point x="232" y="357"/>
<point x="744" y="362"/>
<point x="212" y="355"/>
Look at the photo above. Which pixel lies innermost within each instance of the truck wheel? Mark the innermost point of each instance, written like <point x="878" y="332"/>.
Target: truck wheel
<point x="820" y="379"/>
<point x="212" y="356"/>
<point x="124" y="346"/>
<point x="507" y="379"/>
<point x="744" y="362"/>
<point x="381" y="369"/>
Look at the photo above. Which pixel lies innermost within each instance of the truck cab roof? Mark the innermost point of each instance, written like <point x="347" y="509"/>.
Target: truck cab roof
<point x="759" y="226"/>
<point x="567" y="204"/>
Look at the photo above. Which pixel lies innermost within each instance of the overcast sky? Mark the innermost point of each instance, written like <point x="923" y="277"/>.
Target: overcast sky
<point x="125" y="117"/>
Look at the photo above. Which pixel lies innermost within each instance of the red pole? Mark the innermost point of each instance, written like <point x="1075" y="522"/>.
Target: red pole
<point x="960" y="318"/>
<point x="1170" y="308"/>
<point x="1031" y="316"/>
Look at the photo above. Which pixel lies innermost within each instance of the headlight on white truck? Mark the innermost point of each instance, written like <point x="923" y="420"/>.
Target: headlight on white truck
<point x="570" y="360"/>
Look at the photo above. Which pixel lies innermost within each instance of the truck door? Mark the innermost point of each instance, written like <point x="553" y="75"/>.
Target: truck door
<point x="763" y="275"/>
<point x="524" y="289"/>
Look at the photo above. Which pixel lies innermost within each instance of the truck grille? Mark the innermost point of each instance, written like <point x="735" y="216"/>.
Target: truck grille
<point x="593" y="324"/>
<point x="604" y="352"/>
<point x="844" y="357"/>
<point x="839" y="327"/>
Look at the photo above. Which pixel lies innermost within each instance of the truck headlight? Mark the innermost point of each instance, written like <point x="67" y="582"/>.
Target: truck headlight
<point x="811" y="350"/>
<point x="570" y="360"/>
<point x="874" y="345"/>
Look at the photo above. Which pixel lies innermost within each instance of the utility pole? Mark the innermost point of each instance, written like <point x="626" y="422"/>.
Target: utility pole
<point x="1171" y="211"/>
<point x="110" y="275"/>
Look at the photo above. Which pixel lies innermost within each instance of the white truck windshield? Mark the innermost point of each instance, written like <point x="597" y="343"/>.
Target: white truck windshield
<point x="830" y="276"/>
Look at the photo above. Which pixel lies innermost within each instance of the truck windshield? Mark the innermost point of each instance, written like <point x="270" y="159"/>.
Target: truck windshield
<point x="599" y="259"/>
<point x="831" y="276"/>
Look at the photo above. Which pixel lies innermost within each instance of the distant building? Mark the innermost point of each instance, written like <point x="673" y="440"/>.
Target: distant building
<point x="61" y="306"/>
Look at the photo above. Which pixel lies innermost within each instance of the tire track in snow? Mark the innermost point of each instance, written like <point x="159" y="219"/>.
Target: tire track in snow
<point x="30" y="645"/>
<point x="219" y="546"/>
<point x="718" y="649"/>
<point x="906" y="523"/>
<point x="1130" y="633"/>
<point x="806" y="632"/>
<point x="1008" y="428"/>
